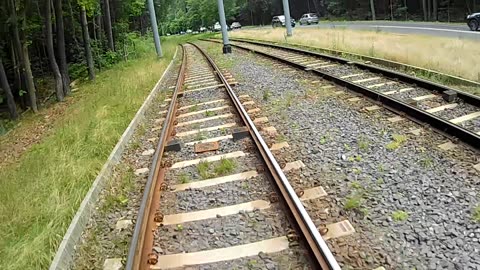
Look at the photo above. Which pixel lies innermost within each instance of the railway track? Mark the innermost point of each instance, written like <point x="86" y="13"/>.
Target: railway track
<point x="216" y="197"/>
<point x="453" y="113"/>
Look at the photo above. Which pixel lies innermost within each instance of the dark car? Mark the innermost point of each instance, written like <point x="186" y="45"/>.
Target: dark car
<point x="278" y="21"/>
<point x="473" y="21"/>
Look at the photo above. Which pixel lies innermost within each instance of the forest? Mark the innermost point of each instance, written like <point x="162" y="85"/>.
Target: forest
<point x="46" y="45"/>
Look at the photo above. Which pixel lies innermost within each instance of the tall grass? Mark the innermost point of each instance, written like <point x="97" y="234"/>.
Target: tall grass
<point x="454" y="56"/>
<point x="40" y="194"/>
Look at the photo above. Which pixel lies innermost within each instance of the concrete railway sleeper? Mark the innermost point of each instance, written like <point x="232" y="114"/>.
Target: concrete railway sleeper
<point x="209" y="202"/>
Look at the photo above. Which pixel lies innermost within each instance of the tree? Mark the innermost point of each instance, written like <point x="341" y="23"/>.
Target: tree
<point x="12" y="108"/>
<point x="108" y="25"/>
<point x="51" y="51"/>
<point x="372" y="8"/>
<point x="62" y="57"/>
<point x="21" y="48"/>
<point x="86" y="43"/>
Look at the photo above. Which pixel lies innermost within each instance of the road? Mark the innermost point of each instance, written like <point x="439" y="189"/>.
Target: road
<point x="433" y="29"/>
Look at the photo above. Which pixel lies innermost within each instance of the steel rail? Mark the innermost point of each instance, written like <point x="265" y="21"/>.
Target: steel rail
<point x="136" y="256"/>
<point x="395" y="105"/>
<point x="318" y="247"/>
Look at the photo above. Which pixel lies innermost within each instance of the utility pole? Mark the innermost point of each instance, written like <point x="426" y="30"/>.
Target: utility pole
<point x="223" y="22"/>
<point x="286" y="12"/>
<point x="153" y="20"/>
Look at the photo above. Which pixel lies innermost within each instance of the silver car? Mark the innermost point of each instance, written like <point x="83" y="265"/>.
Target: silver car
<point x="308" y="18"/>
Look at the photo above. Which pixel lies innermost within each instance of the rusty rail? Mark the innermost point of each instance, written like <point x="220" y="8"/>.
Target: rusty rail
<point x="141" y="244"/>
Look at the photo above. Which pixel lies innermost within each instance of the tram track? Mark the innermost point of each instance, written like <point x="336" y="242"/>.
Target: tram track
<point x="208" y="191"/>
<point x="452" y="112"/>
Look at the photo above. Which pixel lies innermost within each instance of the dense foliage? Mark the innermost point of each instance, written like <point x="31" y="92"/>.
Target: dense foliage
<point x="47" y="44"/>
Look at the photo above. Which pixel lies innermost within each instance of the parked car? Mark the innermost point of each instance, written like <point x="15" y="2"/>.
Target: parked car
<point x="217" y="27"/>
<point x="308" y="18"/>
<point x="189" y="31"/>
<point x="236" y="25"/>
<point x="473" y="21"/>
<point x="203" y="29"/>
<point x="280" y="21"/>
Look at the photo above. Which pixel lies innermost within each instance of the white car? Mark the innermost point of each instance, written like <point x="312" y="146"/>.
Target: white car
<point x="217" y="27"/>
<point x="203" y="29"/>
<point x="189" y="31"/>
<point x="308" y="18"/>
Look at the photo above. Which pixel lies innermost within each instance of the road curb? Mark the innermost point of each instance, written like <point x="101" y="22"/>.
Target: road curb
<point x="66" y="249"/>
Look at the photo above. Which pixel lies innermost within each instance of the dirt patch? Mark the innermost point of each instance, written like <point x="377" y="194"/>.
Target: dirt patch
<point x="31" y="130"/>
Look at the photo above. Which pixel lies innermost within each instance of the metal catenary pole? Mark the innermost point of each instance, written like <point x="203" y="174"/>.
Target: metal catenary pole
<point x="223" y="22"/>
<point x="286" y="12"/>
<point x="153" y="20"/>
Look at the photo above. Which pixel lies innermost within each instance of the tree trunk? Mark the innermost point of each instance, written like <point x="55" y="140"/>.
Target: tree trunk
<point x="435" y="10"/>
<point x="391" y="10"/>
<point x="108" y="25"/>
<point x="12" y="108"/>
<point x="372" y="9"/>
<point x="22" y="48"/>
<point x="98" y="20"/>
<point x="319" y="7"/>
<point x="62" y="56"/>
<point x="51" y="51"/>
<point x="72" y="18"/>
<point x="424" y="6"/>
<point x="429" y="9"/>
<point x="29" y="78"/>
<point x="94" y="28"/>
<point x="86" y="44"/>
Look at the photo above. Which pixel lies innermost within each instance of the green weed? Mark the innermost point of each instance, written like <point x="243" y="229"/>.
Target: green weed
<point x="324" y="139"/>
<point x="184" y="178"/>
<point x="476" y="214"/>
<point x="355" y="185"/>
<point x="363" y="144"/>
<point x="354" y="202"/>
<point x="266" y="94"/>
<point x="193" y="108"/>
<point x="398" y="140"/>
<point x="203" y="169"/>
<point x="209" y="113"/>
<point x="399" y="215"/>
<point x="347" y="146"/>
<point x="225" y="166"/>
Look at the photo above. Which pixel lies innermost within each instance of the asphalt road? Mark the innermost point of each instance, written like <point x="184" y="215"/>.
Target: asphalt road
<point x="432" y="29"/>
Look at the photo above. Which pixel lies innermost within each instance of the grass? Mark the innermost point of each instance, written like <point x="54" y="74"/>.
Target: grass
<point x="184" y="178"/>
<point x="354" y="202"/>
<point x="201" y="136"/>
<point x="476" y="214"/>
<point x="399" y="215"/>
<point x="267" y="94"/>
<point x="363" y="143"/>
<point x="453" y="56"/>
<point x="56" y="173"/>
<point x="209" y="113"/>
<point x="324" y="139"/>
<point x="215" y="169"/>
<point x="398" y="140"/>
<point x="119" y="198"/>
